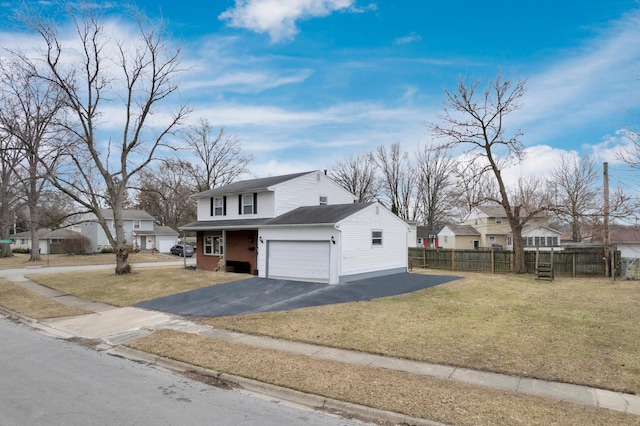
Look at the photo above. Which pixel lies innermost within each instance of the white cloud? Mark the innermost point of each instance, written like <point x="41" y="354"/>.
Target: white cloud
<point x="411" y="38"/>
<point x="589" y="85"/>
<point x="278" y="17"/>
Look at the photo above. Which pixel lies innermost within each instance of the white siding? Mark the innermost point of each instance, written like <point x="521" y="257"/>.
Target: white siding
<point x="359" y="256"/>
<point x="265" y="208"/>
<point x="306" y="191"/>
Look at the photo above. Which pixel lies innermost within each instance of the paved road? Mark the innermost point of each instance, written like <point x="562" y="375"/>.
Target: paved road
<point x="266" y="295"/>
<point x="45" y="381"/>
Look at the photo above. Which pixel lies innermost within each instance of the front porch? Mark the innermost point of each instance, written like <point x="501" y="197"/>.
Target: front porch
<point x="238" y="249"/>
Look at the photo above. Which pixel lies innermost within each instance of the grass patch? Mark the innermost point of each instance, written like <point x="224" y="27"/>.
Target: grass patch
<point x="126" y="290"/>
<point x="574" y="330"/>
<point x="20" y="260"/>
<point x="417" y="396"/>
<point x="32" y="305"/>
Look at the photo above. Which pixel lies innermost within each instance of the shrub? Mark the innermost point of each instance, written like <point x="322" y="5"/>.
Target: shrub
<point x="78" y="245"/>
<point x="106" y="249"/>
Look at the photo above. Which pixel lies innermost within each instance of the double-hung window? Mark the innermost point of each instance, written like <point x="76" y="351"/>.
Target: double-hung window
<point x="247" y="203"/>
<point x="218" y="206"/>
<point x="214" y="244"/>
<point x="376" y="238"/>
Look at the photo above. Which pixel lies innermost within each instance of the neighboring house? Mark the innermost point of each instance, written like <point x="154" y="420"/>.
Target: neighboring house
<point x="140" y="231"/>
<point x="463" y="237"/>
<point x="627" y="240"/>
<point x="427" y="237"/>
<point x="302" y="227"/>
<point x="488" y="227"/>
<point x="49" y="241"/>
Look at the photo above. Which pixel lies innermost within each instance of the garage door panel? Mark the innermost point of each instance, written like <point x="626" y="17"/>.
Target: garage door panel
<point x="299" y="260"/>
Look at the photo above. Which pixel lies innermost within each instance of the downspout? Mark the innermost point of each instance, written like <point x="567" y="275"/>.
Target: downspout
<point x="338" y="248"/>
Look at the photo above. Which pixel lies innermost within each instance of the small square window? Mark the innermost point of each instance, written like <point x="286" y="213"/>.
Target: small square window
<point x="323" y="200"/>
<point x="213" y="244"/>
<point x="136" y="224"/>
<point x="498" y="220"/>
<point x="376" y="238"/>
<point x="492" y="239"/>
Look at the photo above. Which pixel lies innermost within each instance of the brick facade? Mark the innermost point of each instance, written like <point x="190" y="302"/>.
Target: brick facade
<point x="240" y="246"/>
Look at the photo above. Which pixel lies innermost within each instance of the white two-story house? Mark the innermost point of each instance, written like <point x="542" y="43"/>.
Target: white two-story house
<point x="302" y="227"/>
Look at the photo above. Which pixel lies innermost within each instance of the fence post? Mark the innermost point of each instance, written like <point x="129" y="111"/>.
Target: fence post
<point x="453" y="260"/>
<point x="493" y="262"/>
<point x="573" y="267"/>
<point x="512" y="261"/>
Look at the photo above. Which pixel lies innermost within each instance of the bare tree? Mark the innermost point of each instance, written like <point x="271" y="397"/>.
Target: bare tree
<point x="398" y="180"/>
<point x="103" y="70"/>
<point x="220" y="159"/>
<point x="165" y="193"/>
<point x="357" y="174"/>
<point x="435" y="196"/>
<point x="10" y="156"/>
<point x="476" y="121"/>
<point x="29" y="112"/>
<point x="472" y="187"/>
<point x="574" y="184"/>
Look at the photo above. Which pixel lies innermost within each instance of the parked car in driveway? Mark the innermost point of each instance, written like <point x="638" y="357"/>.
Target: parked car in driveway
<point x="182" y="250"/>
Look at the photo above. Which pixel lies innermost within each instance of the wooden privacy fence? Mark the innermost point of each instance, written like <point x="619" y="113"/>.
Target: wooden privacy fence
<point x="571" y="262"/>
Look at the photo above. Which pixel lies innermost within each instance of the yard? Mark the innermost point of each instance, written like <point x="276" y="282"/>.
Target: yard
<point x="20" y="260"/>
<point x="574" y="330"/>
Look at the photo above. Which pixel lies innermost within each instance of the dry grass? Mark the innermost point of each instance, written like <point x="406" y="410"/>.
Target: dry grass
<point x="32" y="305"/>
<point x="417" y="396"/>
<point x="574" y="330"/>
<point x="19" y="260"/>
<point x="126" y="290"/>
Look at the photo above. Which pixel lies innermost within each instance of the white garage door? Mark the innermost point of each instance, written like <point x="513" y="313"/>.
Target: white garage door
<point x="299" y="260"/>
<point x="165" y="244"/>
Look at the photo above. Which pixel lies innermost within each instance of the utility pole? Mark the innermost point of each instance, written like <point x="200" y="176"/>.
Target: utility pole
<point x="607" y="235"/>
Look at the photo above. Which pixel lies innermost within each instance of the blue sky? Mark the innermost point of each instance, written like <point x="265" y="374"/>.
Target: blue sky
<point x="303" y="83"/>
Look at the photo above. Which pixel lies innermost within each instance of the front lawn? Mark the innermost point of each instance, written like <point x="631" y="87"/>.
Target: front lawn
<point x="574" y="330"/>
<point x="32" y="305"/>
<point x="126" y="290"/>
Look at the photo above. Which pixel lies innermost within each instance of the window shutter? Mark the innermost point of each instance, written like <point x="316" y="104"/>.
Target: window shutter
<point x="240" y="204"/>
<point x="224" y="205"/>
<point x="211" y="207"/>
<point x="255" y="203"/>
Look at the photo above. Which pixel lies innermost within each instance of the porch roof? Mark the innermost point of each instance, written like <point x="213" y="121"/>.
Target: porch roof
<point x="213" y="225"/>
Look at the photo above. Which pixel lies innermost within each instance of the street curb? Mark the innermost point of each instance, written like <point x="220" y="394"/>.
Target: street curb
<point x="34" y="323"/>
<point x="316" y="402"/>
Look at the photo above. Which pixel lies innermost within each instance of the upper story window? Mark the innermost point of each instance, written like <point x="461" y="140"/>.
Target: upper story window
<point x="376" y="238"/>
<point x="247" y="204"/>
<point x="136" y="224"/>
<point x="218" y="206"/>
<point x="498" y="220"/>
<point x="323" y="200"/>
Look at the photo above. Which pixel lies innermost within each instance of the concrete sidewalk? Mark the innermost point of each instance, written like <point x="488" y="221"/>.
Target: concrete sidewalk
<point x="115" y="326"/>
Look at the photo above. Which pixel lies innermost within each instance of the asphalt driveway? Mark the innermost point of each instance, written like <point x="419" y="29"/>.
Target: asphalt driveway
<point x="255" y="294"/>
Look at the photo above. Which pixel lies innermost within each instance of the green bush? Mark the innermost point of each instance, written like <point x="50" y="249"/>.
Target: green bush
<point x="106" y="250"/>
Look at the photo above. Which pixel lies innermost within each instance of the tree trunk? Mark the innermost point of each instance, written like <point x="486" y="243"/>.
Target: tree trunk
<point x="520" y="266"/>
<point x="35" y="245"/>
<point x="122" y="261"/>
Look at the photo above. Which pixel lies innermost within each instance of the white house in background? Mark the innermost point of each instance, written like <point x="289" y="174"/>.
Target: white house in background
<point x="627" y="240"/>
<point x="139" y="228"/>
<point x="302" y="227"/>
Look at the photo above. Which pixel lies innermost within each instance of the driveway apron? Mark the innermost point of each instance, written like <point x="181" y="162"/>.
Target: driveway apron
<point x="254" y="295"/>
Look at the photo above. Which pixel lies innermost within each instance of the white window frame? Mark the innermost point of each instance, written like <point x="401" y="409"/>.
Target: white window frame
<point x="376" y="238"/>
<point x="210" y="245"/>
<point x="217" y="207"/>
<point x="247" y="207"/>
<point x="498" y="221"/>
<point x="137" y="224"/>
<point x="492" y="238"/>
<point x="324" y="200"/>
